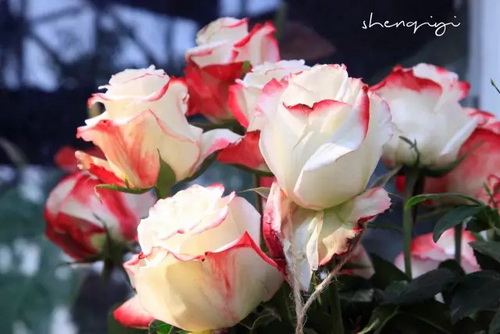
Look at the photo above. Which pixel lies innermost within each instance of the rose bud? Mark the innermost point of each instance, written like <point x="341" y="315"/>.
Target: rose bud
<point x="243" y="98"/>
<point x="424" y="102"/>
<point x="201" y="266"/>
<point x="80" y="220"/>
<point x="426" y="255"/>
<point x="225" y="51"/>
<point x="323" y="135"/>
<point x="144" y="122"/>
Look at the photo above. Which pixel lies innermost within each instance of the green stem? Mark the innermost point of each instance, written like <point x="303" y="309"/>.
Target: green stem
<point x="258" y="199"/>
<point x="458" y="242"/>
<point x="412" y="176"/>
<point x="337" y="324"/>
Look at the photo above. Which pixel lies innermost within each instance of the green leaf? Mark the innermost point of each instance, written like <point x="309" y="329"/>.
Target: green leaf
<point x="123" y="189"/>
<point x="385" y="272"/>
<point x="495" y="324"/>
<point x="453" y="266"/>
<point x="432" y="313"/>
<point x="474" y="292"/>
<point x="385" y="226"/>
<point x="486" y="262"/>
<point x="159" y="327"/>
<point x="453" y="218"/>
<point x="282" y="304"/>
<point x="423" y="287"/>
<point x="424" y="197"/>
<point x="488" y="248"/>
<point x="166" y="179"/>
<point x="481" y="222"/>
<point x="262" y="191"/>
<point x="381" y="315"/>
<point x="246" y="67"/>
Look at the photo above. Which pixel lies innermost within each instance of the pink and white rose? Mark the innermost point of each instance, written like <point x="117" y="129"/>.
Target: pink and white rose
<point x="323" y="135"/>
<point x="243" y="98"/>
<point x="79" y="218"/>
<point x="424" y="102"/>
<point x="226" y="49"/>
<point x="480" y="166"/>
<point x="144" y="122"/>
<point x="426" y="255"/>
<point x="306" y="239"/>
<point x="201" y="266"/>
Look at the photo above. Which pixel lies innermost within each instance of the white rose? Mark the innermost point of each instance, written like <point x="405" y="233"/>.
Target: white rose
<point x="424" y="102"/>
<point x="202" y="267"/>
<point x="143" y="122"/>
<point x="323" y="135"/>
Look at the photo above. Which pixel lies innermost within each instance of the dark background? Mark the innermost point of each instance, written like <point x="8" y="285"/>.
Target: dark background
<point x="39" y="118"/>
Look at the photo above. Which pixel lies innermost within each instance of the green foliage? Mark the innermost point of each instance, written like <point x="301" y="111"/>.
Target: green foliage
<point x="453" y="218"/>
<point x="495" y="324"/>
<point x="385" y="273"/>
<point x="123" y="189"/>
<point x="166" y="179"/>
<point x="422" y="198"/>
<point x="159" y="327"/>
<point x="490" y="249"/>
<point x="474" y="292"/>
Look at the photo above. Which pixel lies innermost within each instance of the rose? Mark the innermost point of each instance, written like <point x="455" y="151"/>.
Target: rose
<point x="307" y="239"/>
<point x="78" y="220"/>
<point x="201" y="266"/>
<point x="426" y="255"/>
<point x="480" y="165"/>
<point x="144" y="122"/>
<point x="424" y="102"/>
<point x="323" y="135"/>
<point x="225" y="50"/>
<point x="243" y="98"/>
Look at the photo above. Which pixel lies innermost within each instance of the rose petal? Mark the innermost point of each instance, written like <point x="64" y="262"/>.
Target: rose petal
<point x="215" y="140"/>
<point x="133" y="148"/>
<point x="232" y="280"/>
<point x="244" y="152"/>
<point x="131" y="314"/>
<point x="342" y="223"/>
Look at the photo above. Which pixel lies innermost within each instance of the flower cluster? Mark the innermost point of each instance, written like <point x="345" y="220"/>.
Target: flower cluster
<point x="317" y="131"/>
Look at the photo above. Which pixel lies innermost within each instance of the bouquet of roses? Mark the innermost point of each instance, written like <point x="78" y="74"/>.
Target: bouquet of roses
<point x="211" y="262"/>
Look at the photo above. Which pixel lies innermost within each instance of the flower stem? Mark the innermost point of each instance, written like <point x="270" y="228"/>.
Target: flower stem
<point x="324" y="284"/>
<point x="412" y="177"/>
<point x="337" y="325"/>
<point x="458" y="242"/>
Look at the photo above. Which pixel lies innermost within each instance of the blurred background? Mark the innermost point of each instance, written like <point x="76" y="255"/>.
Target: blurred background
<point x="55" y="53"/>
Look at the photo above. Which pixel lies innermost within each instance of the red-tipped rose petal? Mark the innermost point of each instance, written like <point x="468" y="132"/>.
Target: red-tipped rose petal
<point x="131" y="314"/>
<point x="244" y="152"/>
